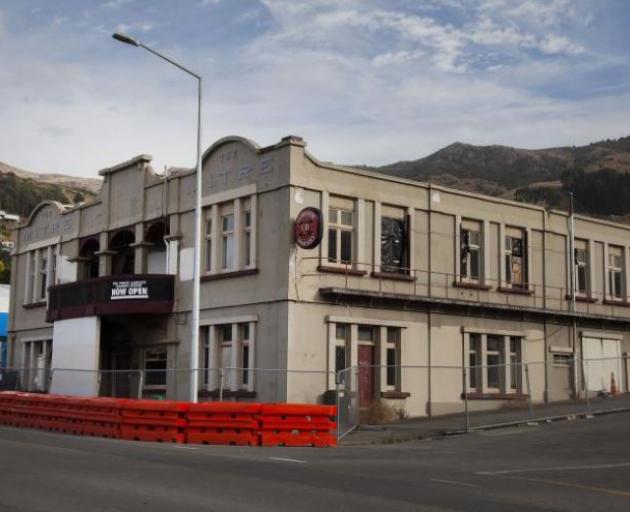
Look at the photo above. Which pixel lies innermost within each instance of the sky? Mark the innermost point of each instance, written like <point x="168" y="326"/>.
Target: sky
<point x="363" y="81"/>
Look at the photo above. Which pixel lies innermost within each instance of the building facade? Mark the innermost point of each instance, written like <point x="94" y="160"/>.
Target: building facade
<point x="410" y="281"/>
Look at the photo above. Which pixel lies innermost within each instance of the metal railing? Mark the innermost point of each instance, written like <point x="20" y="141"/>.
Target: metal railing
<point x="383" y="279"/>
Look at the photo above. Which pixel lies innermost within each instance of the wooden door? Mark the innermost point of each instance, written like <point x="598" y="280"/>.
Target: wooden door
<point x="366" y="375"/>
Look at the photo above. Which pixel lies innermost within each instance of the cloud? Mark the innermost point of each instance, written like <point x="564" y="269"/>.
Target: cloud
<point x="140" y="26"/>
<point x="115" y="4"/>
<point x="401" y="57"/>
<point x="364" y="81"/>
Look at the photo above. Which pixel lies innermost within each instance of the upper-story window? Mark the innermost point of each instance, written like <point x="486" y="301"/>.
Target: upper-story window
<point x="581" y="267"/>
<point x="209" y="244"/>
<point x="230" y="235"/>
<point x="227" y="241"/>
<point x="470" y="250"/>
<point x="393" y="244"/>
<point x="30" y="289"/>
<point x="43" y="275"/>
<point x="515" y="258"/>
<point x="340" y="235"/>
<point x="615" y="272"/>
<point x="247" y="237"/>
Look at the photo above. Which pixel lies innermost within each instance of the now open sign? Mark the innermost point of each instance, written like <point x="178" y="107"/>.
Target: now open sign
<point x="131" y="289"/>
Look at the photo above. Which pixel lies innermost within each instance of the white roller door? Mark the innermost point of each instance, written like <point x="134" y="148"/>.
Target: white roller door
<point x="602" y="363"/>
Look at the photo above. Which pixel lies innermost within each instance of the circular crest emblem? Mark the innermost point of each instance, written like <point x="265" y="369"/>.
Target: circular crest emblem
<point x="308" y="228"/>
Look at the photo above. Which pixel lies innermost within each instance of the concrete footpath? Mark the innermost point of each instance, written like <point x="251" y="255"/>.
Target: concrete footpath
<point x="429" y="428"/>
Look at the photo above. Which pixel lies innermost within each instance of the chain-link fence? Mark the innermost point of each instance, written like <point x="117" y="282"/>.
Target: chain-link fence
<point x="424" y="398"/>
<point x="448" y="399"/>
<point x="36" y="380"/>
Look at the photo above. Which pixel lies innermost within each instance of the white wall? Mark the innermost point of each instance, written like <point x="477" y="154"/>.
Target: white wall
<point x="76" y="346"/>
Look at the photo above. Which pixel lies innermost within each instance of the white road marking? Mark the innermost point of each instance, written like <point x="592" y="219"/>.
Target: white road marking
<point x="184" y="447"/>
<point x="281" y="459"/>
<point x="558" y="468"/>
<point x="453" y="482"/>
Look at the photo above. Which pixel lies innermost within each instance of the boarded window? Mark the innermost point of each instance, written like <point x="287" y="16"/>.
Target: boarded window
<point x="393" y="245"/>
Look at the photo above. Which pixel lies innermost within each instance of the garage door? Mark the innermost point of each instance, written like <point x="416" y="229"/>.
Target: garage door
<point x="602" y="362"/>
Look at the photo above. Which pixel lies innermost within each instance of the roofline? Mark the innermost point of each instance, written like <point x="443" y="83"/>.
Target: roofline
<point x="128" y="163"/>
<point x="60" y="209"/>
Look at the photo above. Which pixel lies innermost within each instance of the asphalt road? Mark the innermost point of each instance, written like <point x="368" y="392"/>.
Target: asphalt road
<point x="572" y="466"/>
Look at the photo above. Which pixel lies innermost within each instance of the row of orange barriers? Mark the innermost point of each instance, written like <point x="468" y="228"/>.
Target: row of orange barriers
<point x="247" y="424"/>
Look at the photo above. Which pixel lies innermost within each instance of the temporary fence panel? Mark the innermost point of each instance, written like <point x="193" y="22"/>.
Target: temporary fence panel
<point x="347" y="398"/>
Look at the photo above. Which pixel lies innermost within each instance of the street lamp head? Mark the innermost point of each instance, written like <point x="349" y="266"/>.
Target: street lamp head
<point x="125" y="39"/>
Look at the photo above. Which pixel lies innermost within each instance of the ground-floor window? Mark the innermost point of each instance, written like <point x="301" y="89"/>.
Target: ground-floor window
<point x="494" y="363"/>
<point x="155" y="365"/>
<point x="36" y="362"/>
<point x="393" y="377"/>
<point x="228" y="356"/>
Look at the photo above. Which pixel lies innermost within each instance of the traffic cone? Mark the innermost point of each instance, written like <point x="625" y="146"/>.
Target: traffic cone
<point x="613" y="384"/>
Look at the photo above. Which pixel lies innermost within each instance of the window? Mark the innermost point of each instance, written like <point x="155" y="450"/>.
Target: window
<point x="225" y="340"/>
<point x="393" y="357"/>
<point x="238" y="366"/>
<point x="366" y="333"/>
<point x="340" y="228"/>
<point x="474" y="369"/>
<point x="208" y="245"/>
<point x="615" y="272"/>
<point x="562" y="360"/>
<point x="43" y="274"/>
<point x="581" y="267"/>
<point x="494" y="363"/>
<point x="37" y="357"/>
<point x="30" y="289"/>
<point x="247" y="237"/>
<point x="515" y="363"/>
<point x="155" y="368"/>
<point x="393" y="245"/>
<point x="244" y="363"/>
<point x="470" y="251"/>
<point x="53" y="269"/>
<point x="494" y="358"/>
<point x="342" y="332"/>
<point x="515" y="258"/>
<point x="227" y="235"/>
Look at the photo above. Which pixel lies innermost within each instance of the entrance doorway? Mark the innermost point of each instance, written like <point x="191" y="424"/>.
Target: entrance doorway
<point x="366" y="375"/>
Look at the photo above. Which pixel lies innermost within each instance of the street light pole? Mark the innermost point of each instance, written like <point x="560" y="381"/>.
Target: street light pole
<point x="194" y="342"/>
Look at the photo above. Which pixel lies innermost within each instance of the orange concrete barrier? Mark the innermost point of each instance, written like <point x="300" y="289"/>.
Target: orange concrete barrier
<point x="223" y="423"/>
<point x="297" y="425"/>
<point x="235" y="423"/>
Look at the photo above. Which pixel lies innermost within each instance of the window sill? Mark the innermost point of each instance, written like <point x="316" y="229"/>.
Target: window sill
<point x="496" y="396"/>
<point x="393" y="395"/>
<point x="341" y="270"/>
<point x="472" y="286"/>
<point x="227" y="393"/>
<point x="225" y="275"/>
<point x="582" y="298"/>
<point x="620" y="303"/>
<point x="33" y="305"/>
<point x="515" y="291"/>
<point x="393" y="276"/>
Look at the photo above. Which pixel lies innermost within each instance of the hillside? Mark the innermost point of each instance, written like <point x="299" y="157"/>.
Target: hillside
<point x="596" y="173"/>
<point x="21" y="191"/>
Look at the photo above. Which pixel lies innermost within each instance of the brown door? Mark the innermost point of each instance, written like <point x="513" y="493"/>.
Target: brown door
<point x="366" y="375"/>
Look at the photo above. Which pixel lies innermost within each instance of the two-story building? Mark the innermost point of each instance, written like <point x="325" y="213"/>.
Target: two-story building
<point x="406" y="274"/>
